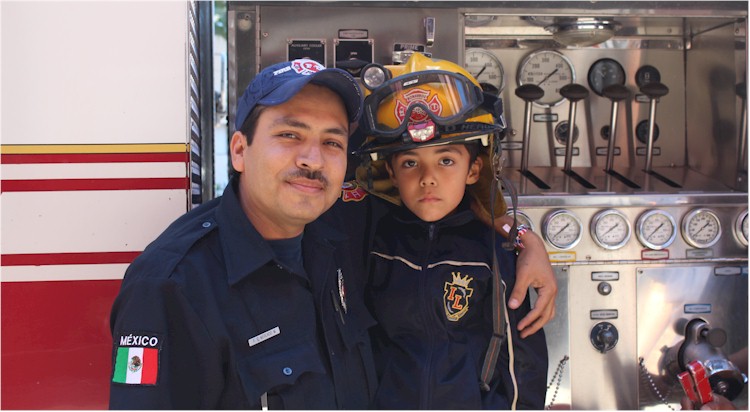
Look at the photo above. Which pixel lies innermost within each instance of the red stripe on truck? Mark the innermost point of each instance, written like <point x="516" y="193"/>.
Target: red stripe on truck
<point x="89" y="258"/>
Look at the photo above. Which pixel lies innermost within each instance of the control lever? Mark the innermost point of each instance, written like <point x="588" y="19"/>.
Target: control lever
<point x="695" y="383"/>
<point x="529" y="93"/>
<point x="429" y="31"/>
<point x="653" y="90"/>
<point x="741" y="90"/>
<point x="615" y="93"/>
<point x="573" y="92"/>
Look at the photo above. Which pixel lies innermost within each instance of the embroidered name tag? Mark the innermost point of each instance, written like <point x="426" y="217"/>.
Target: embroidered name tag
<point x="263" y="336"/>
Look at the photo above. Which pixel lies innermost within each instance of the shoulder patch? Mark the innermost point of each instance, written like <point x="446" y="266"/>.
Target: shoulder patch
<point x="352" y="192"/>
<point x="136" y="359"/>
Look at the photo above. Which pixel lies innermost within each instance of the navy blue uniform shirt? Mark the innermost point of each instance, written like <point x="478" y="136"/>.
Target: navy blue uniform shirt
<point x="207" y="319"/>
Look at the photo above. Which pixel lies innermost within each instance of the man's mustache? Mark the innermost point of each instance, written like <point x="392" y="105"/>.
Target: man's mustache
<point x="309" y="174"/>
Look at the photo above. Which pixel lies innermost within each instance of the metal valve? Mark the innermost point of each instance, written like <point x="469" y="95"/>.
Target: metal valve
<point x="604" y="336"/>
<point x="703" y="343"/>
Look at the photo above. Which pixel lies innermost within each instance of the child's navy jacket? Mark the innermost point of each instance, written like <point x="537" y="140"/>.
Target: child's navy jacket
<point x="430" y="291"/>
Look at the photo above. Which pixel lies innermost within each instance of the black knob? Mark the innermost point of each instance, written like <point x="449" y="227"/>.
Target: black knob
<point x="574" y="92"/>
<point x="529" y="92"/>
<point x="654" y="89"/>
<point x="604" y="336"/>
<point x="616" y="92"/>
<point x="716" y="337"/>
<point x="604" y="288"/>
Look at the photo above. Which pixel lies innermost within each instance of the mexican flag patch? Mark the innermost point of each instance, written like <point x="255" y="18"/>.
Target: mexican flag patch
<point x="137" y="360"/>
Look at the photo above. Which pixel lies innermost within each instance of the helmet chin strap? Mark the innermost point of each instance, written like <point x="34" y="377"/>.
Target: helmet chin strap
<point x="499" y="309"/>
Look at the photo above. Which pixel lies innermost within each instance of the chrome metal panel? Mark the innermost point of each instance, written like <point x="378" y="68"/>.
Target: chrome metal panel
<point x="602" y="380"/>
<point x="386" y="25"/>
<point x="728" y="207"/>
<point x="701" y="59"/>
<point x="647" y="325"/>
<point x="558" y="346"/>
<point x="712" y="99"/>
<point x="662" y="295"/>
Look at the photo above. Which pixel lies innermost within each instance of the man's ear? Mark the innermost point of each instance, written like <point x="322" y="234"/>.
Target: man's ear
<point x="474" y="170"/>
<point x="390" y="172"/>
<point x="237" y="150"/>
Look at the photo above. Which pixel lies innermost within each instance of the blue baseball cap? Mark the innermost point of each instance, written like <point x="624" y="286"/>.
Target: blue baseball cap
<point x="276" y="84"/>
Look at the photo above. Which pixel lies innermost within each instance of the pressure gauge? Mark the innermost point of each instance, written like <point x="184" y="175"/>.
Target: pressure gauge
<point x="656" y="229"/>
<point x="610" y="229"/>
<point x="548" y="69"/>
<point x="647" y="74"/>
<point x="486" y="68"/>
<point x="562" y="229"/>
<point x="523" y="218"/>
<point x="740" y="228"/>
<point x="641" y="131"/>
<point x="701" y="228"/>
<point x="605" y="72"/>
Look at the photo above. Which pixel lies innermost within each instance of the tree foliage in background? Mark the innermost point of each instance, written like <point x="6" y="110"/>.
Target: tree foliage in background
<point x="220" y="18"/>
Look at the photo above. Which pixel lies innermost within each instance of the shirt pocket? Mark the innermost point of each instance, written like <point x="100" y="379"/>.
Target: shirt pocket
<point x="280" y="368"/>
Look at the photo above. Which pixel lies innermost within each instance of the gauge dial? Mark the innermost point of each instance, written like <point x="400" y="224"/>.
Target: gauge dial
<point x="740" y="228"/>
<point x="647" y="74"/>
<point x="549" y="70"/>
<point x="656" y="229"/>
<point x="486" y="68"/>
<point x="610" y="229"/>
<point x="701" y="228"/>
<point x="562" y="229"/>
<point x="605" y="72"/>
<point x="523" y="218"/>
<point x="641" y="131"/>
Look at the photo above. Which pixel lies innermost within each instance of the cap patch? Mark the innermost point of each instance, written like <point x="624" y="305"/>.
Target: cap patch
<point x="136" y="359"/>
<point x="306" y="67"/>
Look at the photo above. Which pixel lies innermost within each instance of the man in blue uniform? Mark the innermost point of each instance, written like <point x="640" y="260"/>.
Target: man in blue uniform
<point x="246" y="301"/>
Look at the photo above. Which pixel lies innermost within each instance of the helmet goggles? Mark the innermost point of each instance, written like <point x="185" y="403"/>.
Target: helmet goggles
<point x="443" y="97"/>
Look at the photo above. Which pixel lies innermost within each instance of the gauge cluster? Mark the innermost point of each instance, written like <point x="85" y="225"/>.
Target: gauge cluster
<point x="633" y="233"/>
<point x="551" y="70"/>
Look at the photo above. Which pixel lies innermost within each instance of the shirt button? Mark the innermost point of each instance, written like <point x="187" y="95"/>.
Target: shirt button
<point x="287" y="371"/>
<point x="206" y="224"/>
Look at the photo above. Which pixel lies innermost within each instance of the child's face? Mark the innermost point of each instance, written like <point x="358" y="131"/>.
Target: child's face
<point x="432" y="180"/>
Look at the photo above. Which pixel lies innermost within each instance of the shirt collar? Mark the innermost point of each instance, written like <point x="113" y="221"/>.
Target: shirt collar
<point x="245" y="250"/>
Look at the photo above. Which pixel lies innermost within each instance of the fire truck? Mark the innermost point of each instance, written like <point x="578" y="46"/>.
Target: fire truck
<point x="631" y="164"/>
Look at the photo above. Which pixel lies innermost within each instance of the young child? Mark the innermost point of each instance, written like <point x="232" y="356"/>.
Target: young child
<point x="430" y="283"/>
